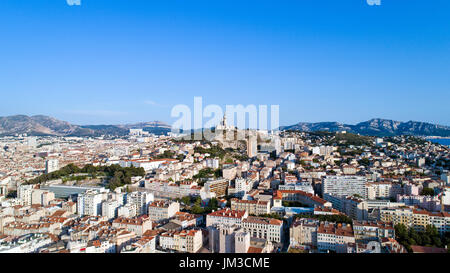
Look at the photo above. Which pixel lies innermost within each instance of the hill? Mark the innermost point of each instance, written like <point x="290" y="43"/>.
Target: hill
<point x="40" y="125"/>
<point x="376" y="127"/>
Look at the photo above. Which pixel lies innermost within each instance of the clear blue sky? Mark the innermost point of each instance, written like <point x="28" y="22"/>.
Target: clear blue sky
<point x="116" y="61"/>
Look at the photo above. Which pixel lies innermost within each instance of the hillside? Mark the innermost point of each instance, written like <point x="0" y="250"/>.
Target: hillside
<point x="376" y="127"/>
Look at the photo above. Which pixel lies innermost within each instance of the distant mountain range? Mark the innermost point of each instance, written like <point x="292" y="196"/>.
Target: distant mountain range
<point x="47" y="126"/>
<point x="376" y="127"/>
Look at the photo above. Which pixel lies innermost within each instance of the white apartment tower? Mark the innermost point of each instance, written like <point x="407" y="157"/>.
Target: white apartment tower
<point x="140" y="200"/>
<point x="89" y="203"/>
<point x="342" y="186"/>
<point x="252" y="145"/>
<point x="110" y="209"/>
<point x="51" y="165"/>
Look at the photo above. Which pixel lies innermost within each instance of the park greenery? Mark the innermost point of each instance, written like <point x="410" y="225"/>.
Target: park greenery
<point x="293" y="204"/>
<point x="206" y="173"/>
<point x="214" y="151"/>
<point x="297" y="250"/>
<point x="169" y="154"/>
<point x="430" y="237"/>
<point x="271" y="215"/>
<point x="350" y="139"/>
<point x="320" y="133"/>
<point x="364" y="162"/>
<point x="196" y="205"/>
<point x="428" y="191"/>
<point x="116" y="175"/>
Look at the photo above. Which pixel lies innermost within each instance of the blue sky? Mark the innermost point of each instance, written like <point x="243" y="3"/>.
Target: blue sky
<point x="117" y="61"/>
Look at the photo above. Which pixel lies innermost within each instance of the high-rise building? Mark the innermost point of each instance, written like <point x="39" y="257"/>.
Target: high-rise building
<point x="212" y="163"/>
<point x="252" y="145"/>
<point x="344" y="185"/>
<point x="31" y="142"/>
<point x="163" y="210"/>
<point x="41" y="197"/>
<point x="24" y="193"/>
<point x="140" y="200"/>
<point x="420" y="162"/>
<point x="110" y="209"/>
<point x="51" y="165"/>
<point x="89" y="203"/>
<point x="277" y="144"/>
<point x="218" y="187"/>
<point x="446" y="178"/>
<point x="242" y="186"/>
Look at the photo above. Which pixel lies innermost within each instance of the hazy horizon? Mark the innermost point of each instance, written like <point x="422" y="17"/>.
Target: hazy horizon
<point x="116" y="62"/>
<point x="168" y="123"/>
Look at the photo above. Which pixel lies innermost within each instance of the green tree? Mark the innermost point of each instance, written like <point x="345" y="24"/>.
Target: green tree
<point x="186" y="200"/>
<point x="428" y="191"/>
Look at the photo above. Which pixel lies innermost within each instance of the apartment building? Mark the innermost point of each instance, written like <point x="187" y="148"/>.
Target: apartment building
<point x="430" y="203"/>
<point x="337" y="238"/>
<point x="242" y="186"/>
<point x="303" y="232"/>
<point x="51" y="165"/>
<point x="299" y="196"/>
<point x="145" y="244"/>
<point x="140" y="200"/>
<point x="41" y="197"/>
<point x="378" y="190"/>
<point x="171" y="189"/>
<point x="185" y="219"/>
<point x="127" y="211"/>
<point x="418" y="219"/>
<point x="218" y="187"/>
<point x="372" y="230"/>
<point x="301" y="186"/>
<point x="138" y="225"/>
<point x="28" y="243"/>
<point x="89" y="203"/>
<point x="253" y="207"/>
<point x="397" y="216"/>
<point x="162" y="210"/>
<point x="24" y="194"/>
<point x="100" y="246"/>
<point x="264" y="228"/>
<point x="20" y="228"/>
<point x="226" y="217"/>
<point x="211" y="163"/>
<point x="110" y="209"/>
<point x="229" y="173"/>
<point x="422" y="218"/>
<point x="344" y="185"/>
<point x="183" y="241"/>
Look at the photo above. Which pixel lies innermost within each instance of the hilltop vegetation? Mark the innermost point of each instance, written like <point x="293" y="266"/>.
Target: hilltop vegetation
<point x="116" y="175"/>
<point x="430" y="237"/>
<point x="350" y="139"/>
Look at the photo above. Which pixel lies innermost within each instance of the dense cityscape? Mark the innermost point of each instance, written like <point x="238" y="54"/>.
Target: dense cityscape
<point x="274" y="192"/>
<point x="224" y="136"/>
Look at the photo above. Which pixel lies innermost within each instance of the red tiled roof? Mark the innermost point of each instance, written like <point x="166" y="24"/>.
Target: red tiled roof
<point x="427" y="249"/>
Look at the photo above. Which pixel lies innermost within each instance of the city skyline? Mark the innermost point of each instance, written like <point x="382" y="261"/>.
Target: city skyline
<point x="225" y="135"/>
<point x="118" y="62"/>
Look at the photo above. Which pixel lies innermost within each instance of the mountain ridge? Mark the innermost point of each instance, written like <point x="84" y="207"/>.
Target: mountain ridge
<point x="376" y="127"/>
<point x="41" y="125"/>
